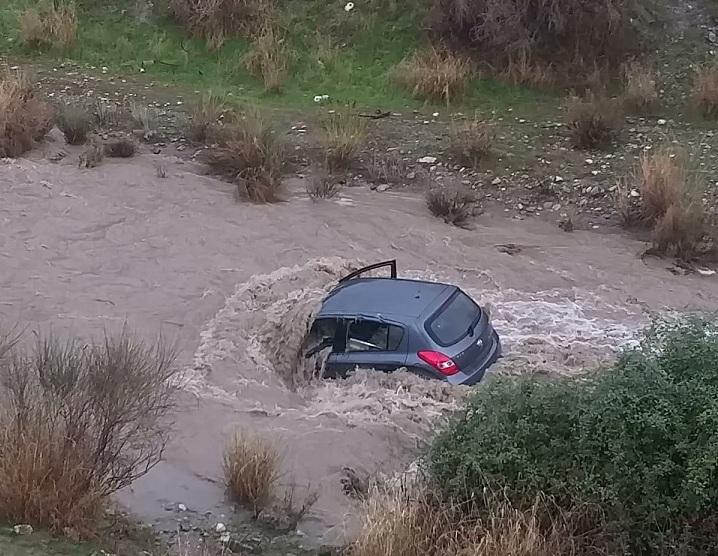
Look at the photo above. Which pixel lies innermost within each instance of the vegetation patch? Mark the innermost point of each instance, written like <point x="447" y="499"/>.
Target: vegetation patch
<point x="452" y="204"/>
<point x="471" y="142"/>
<point x="50" y="24"/>
<point x="345" y="133"/>
<point x="24" y="118"/>
<point x="75" y="123"/>
<point x="436" y="74"/>
<point x="705" y="88"/>
<point x="593" y="120"/>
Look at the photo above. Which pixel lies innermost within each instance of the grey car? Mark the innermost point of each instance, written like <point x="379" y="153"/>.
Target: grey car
<point x="435" y="330"/>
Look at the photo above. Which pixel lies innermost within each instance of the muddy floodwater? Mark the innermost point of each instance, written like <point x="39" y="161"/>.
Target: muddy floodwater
<point x="236" y="284"/>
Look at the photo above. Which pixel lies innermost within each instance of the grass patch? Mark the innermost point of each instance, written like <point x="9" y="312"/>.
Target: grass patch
<point x="24" y="119"/>
<point x="471" y="142"/>
<point x="592" y="120"/>
<point x="633" y="441"/>
<point x="250" y="156"/>
<point x="345" y="133"/>
<point x="322" y="185"/>
<point x="435" y="74"/>
<point x="705" y="89"/>
<point x="205" y="116"/>
<point x="268" y="58"/>
<point x="51" y="24"/>
<point x="251" y="469"/>
<point x="387" y="167"/>
<point x="453" y="205"/>
<point x="124" y="147"/>
<point x="75" y="123"/>
<point x="641" y="92"/>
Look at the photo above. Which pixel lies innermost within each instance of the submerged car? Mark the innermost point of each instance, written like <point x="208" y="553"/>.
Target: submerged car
<point x="434" y="330"/>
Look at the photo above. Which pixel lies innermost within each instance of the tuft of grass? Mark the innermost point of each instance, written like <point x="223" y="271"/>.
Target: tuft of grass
<point x="107" y="115"/>
<point x="472" y="141"/>
<point x="592" y="120"/>
<point x="205" y="116"/>
<point x="144" y="117"/>
<point x="75" y="123"/>
<point x="54" y="24"/>
<point x="123" y="147"/>
<point x="93" y="155"/>
<point x="387" y="167"/>
<point x="160" y="170"/>
<point x="322" y="185"/>
<point x="268" y="58"/>
<point x="453" y="205"/>
<point x="435" y="74"/>
<point x="641" y="92"/>
<point x="78" y="422"/>
<point x="705" y="88"/>
<point x="23" y="118"/>
<point x="251" y="468"/>
<point x="344" y="134"/>
<point x="251" y="157"/>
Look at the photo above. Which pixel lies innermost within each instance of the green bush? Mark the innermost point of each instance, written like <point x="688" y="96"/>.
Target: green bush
<point x="639" y="440"/>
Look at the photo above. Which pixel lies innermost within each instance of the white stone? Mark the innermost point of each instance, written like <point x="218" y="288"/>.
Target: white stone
<point x="220" y="528"/>
<point x="427" y="160"/>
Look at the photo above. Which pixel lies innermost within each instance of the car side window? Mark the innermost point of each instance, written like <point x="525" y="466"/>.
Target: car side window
<point x="369" y="335"/>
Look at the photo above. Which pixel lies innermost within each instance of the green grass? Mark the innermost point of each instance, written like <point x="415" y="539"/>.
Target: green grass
<point x="352" y="66"/>
<point x="40" y="544"/>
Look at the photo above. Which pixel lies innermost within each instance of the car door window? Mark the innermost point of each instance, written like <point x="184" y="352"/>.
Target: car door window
<point x="321" y="336"/>
<point x="369" y="335"/>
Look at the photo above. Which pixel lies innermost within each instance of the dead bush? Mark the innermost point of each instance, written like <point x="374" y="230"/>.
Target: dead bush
<point x="471" y="142"/>
<point x="268" y="58"/>
<point x="123" y="147"/>
<point x="641" y="93"/>
<point x="217" y="20"/>
<point x="53" y="23"/>
<point x="344" y="134"/>
<point x="250" y="156"/>
<point x="436" y="74"/>
<point x="662" y="184"/>
<point x="387" y="167"/>
<point x="251" y="468"/>
<point x="23" y="117"/>
<point x="145" y="118"/>
<point x="592" y="120"/>
<point x="705" y="88"/>
<point x="566" y="36"/>
<point x="452" y="204"/>
<point x="322" y="185"/>
<point x="522" y="71"/>
<point x="205" y="116"/>
<point x="75" y="123"/>
<point x="78" y="422"/>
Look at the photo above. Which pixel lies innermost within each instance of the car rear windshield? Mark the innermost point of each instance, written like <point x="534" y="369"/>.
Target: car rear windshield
<point x="452" y="321"/>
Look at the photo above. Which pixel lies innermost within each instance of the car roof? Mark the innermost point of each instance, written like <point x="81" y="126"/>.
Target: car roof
<point x="384" y="296"/>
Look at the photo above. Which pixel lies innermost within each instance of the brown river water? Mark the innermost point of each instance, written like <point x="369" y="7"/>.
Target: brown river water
<point x="235" y="284"/>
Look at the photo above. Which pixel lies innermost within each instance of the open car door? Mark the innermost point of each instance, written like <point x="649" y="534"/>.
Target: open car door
<point x="391" y="264"/>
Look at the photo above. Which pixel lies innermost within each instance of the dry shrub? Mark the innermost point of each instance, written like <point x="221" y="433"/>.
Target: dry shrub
<point x="205" y="116"/>
<point x="53" y="24"/>
<point x="387" y="167"/>
<point x="344" y="134"/>
<point x="593" y="120"/>
<point x="75" y="123"/>
<point x="251" y="468"/>
<point x="93" y="155"/>
<point x="217" y="20"/>
<point x="250" y="156"/>
<point x="124" y="147"/>
<point x="472" y="141"/>
<point x="522" y="71"/>
<point x="268" y="58"/>
<point x="436" y="74"/>
<point x="23" y="117"/>
<point x="705" y="88"/>
<point x="453" y="205"/>
<point x="641" y="93"/>
<point x="568" y="36"/>
<point x="145" y="117"/>
<point x="322" y="185"/>
<point x="662" y="184"/>
<point x="78" y="422"/>
<point x="412" y="521"/>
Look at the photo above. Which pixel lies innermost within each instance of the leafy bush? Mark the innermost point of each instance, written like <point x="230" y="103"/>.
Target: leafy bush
<point x="639" y="440"/>
<point x="23" y="117"/>
<point x="79" y="422"/>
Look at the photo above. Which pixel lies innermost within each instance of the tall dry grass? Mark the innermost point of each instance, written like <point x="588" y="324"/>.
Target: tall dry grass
<point x="593" y="120"/>
<point x="640" y="92"/>
<point x="345" y="133"/>
<point x="205" y="116"/>
<point x="268" y="58"/>
<point x="23" y="117"/>
<point x="454" y="205"/>
<point x="52" y="24"/>
<point x="472" y="141"/>
<point x="436" y="74"/>
<point x="251" y="156"/>
<point x="251" y="466"/>
<point x="78" y="422"/>
<point x="705" y="88"/>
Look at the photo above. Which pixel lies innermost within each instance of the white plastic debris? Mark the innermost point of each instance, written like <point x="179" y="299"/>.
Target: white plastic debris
<point x="220" y="528"/>
<point x="22" y="529"/>
<point x="182" y="507"/>
<point x="427" y="160"/>
<point x="661" y="122"/>
<point x="349" y="6"/>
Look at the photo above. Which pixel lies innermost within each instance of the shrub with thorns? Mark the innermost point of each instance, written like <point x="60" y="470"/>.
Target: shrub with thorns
<point x="79" y="422"/>
<point x="593" y="120"/>
<point x="641" y="92"/>
<point x="250" y="156"/>
<point x="75" y="123"/>
<point x="24" y="118"/>
<point x="268" y="58"/>
<point x="215" y="21"/>
<point x="53" y="25"/>
<point x="251" y="468"/>
<point x="454" y="205"/>
<point x="705" y="88"/>
<point x="344" y="134"/>
<point x="472" y="141"/>
<point x="436" y="74"/>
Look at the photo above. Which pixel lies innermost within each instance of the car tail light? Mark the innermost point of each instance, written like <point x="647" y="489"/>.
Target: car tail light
<point x="445" y="365"/>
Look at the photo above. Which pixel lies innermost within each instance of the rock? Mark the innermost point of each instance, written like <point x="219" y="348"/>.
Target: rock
<point x="712" y="37"/>
<point x="182" y="507"/>
<point x="635" y="193"/>
<point x="496" y="181"/>
<point x="411" y="175"/>
<point x="557" y="179"/>
<point x="427" y="160"/>
<point x="22" y="529"/>
<point x="382" y="187"/>
<point x="661" y="122"/>
<point x="220" y="528"/>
